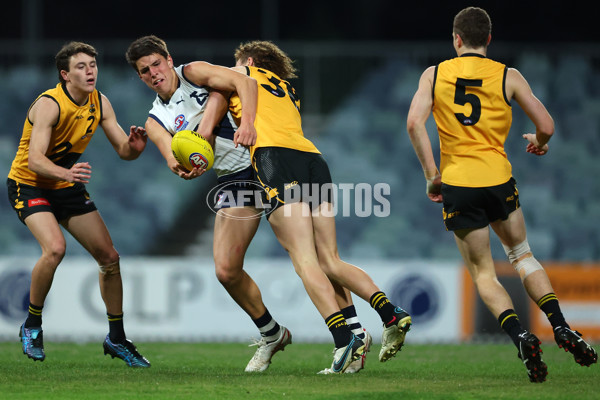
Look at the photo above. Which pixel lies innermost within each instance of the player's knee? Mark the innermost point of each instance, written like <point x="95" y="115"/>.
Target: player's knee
<point x="112" y="268"/>
<point x="55" y="252"/>
<point x="527" y="266"/>
<point x="522" y="259"/>
<point x="227" y="273"/>
<point x="223" y="276"/>
<point x="330" y="263"/>
<point x="517" y="252"/>
<point x="106" y="256"/>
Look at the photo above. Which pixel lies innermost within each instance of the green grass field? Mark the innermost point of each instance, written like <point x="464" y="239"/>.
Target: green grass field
<point x="216" y="371"/>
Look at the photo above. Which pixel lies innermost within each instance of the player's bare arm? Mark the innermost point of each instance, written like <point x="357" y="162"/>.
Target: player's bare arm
<point x="44" y="115"/>
<point x="215" y="110"/>
<point x="228" y="79"/>
<point x="162" y="140"/>
<point x="517" y="88"/>
<point x="419" y="112"/>
<point x="127" y="147"/>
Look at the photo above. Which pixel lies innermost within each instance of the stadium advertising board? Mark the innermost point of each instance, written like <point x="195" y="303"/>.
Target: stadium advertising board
<point x="180" y="299"/>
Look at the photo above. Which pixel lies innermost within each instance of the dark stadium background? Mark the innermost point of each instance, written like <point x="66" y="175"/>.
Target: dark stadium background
<point x="346" y="40"/>
<point x="537" y="21"/>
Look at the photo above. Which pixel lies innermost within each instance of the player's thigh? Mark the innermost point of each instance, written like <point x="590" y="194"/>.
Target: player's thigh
<point x="511" y="231"/>
<point x="234" y="229"/>
<point x="91" y="232"/>
<point x="325" y="232"/>
<point x="474" y="246"/>
<point x="293" y="227"/>
<point x="47" y="232"/>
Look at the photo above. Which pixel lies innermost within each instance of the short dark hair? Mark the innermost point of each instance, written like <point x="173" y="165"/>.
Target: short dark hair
<point x="473" y="25"/>
<point x="63" y="57"/>
<point x="268" y="56"/>
<point x="145" y="46"/>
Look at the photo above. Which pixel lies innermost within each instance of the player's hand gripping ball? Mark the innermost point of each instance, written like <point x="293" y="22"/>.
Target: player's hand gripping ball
<point x="192" y="150"/>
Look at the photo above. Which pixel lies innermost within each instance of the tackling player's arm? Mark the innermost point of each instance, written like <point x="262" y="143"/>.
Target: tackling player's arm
<point x="214" y="112"/>
<point x="128" y="147"/>
<point x="229" y="80"/>
<point x="44" y="115"/>
<point x="517" y="88"/>
<point x="419" y="112"/>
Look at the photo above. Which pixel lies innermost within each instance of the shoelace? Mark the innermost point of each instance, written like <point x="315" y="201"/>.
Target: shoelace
<point x="259" y="343"/>
<point x="130" y="346"/>
<point x="37" y="342"/>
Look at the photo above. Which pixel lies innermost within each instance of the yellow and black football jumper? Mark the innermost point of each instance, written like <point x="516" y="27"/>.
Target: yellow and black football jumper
<point x="288" y="165"/>
<point x="70" y="136"/>
<point x="278" y="120"/>
<point x="30" y="192"/>
<point x="473" y="118"/>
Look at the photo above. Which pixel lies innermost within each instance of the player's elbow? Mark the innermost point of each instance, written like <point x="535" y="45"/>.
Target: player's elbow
<point x="130" y="156"/>
<point x="34" y="161"/>
<point x="128" y="153"/>
<point x="413" y="125"/>
<point x="546" y="128"/>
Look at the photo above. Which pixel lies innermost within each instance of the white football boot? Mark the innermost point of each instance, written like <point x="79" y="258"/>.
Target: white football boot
<point x="265" y="351"/>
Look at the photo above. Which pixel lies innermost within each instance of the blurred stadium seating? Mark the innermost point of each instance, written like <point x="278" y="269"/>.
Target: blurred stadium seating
<point x="363" y="137"/>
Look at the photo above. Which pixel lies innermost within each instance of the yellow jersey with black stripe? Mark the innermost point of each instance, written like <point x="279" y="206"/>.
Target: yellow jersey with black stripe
<point x="278" y="122"/>
<point x="70" y="136"/>
<point x="473" y="118"/>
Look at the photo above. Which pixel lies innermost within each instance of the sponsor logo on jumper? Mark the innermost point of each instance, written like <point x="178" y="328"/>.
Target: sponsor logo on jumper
<point x="180" y="122"/>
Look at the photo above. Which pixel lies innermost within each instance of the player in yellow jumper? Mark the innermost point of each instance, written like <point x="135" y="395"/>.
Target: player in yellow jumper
<point x="268" y="56"/>
<point x="470" y="97"/>
<point x="46" y="188"/>
<point x="297" y="184"/>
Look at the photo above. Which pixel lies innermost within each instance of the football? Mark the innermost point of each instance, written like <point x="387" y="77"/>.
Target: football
<point x="192" y="150"/>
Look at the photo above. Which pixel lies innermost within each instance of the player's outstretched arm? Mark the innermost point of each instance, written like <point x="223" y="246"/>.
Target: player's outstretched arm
<point x="128" y="147"/>
<point x="162" y="140"/>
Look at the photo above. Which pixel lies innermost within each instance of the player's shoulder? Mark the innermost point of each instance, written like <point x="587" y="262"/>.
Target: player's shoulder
<point x="191" y="75"/>
<point x="513" y="73"/>
<point x="429" y="74"/>
<point x="515" y="82"/>
<point x="195" y="67"/>
<point x="429" y="71"/>
<point x="244" y="69"/>
<point x="514" y="78"/>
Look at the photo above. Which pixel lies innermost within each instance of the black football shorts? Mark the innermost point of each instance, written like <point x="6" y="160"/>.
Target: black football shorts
<point x="472" y="208"/>
<point x="63" y="203"/>
<point x="291" y="176"/>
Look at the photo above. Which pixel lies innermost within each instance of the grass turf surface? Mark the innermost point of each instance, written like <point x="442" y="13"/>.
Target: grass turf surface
<point x="216" y="371"/>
